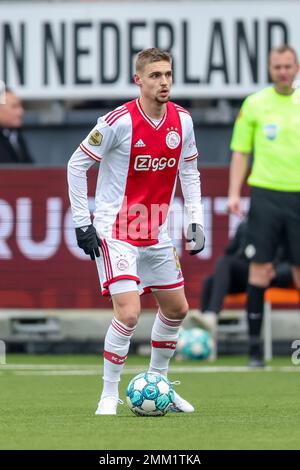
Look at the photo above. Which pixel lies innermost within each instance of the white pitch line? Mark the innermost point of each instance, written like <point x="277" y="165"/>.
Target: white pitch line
<point x="47" y="366"/>
<point x="92" y="371"/>
<point x="58" y="372"/>
<point x="181" y="368"/>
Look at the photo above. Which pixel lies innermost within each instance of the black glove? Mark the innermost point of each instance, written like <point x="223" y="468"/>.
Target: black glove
<point x="88" y="240"/>
<point x="195" y="234"/>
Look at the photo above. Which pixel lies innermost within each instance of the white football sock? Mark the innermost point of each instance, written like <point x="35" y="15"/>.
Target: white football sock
<point x="116" y="346"/>
<point x="164" y="338"/>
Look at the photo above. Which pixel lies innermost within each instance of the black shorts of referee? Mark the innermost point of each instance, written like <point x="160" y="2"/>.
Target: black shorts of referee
<point x="274" y="219"/>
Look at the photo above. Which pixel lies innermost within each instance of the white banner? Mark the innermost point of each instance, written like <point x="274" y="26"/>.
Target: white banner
<point x="87" y="50"/>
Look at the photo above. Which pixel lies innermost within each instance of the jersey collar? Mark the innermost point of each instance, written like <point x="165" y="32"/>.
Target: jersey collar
<point x="144" y="115"/>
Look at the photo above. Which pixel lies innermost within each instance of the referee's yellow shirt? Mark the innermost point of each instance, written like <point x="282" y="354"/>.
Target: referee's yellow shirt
<point x="269" y="126"/>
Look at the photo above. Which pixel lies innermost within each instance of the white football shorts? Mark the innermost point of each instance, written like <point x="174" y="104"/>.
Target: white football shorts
<point x="151" y="268"/>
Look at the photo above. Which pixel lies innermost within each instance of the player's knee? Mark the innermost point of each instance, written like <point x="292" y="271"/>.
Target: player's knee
<point x="261" y="274"/>
<point x="131" y="321"/>
<point x="129" y="317"/>
<point x="128" y="313"/>
<point x="180" y="311"/>
<point x="127" y="308"/>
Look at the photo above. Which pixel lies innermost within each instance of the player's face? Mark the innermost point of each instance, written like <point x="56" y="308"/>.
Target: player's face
<point x="155" y="81"/>
<point x="11" y="113"/>
<point x="283" y="69"/>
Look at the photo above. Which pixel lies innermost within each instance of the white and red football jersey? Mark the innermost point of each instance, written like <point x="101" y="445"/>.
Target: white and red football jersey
<point x="140" y="159"/>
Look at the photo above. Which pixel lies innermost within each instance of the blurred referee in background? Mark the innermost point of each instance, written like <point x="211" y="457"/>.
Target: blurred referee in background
<point x="269" y="125"/>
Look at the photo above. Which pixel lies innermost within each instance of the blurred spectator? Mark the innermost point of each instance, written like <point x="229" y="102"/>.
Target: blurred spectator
<point x="231" y="277"/>
<point x="13" y="148"/>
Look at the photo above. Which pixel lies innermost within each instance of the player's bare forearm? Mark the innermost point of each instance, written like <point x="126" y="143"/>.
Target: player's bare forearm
<point x="238" y="169"/>
<point x="237" y="173"/>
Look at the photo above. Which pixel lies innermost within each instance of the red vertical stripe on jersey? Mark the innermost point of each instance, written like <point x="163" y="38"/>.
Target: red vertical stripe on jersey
<point x="151" y="176"/>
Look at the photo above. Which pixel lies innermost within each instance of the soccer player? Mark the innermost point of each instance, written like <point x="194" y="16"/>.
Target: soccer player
<point x="142" y="146"/>
<point x="268" y="124"/>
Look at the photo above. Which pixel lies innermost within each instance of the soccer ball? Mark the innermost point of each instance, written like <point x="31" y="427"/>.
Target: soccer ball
<point x="194" y="343"/>
<point x="149" y="394"/>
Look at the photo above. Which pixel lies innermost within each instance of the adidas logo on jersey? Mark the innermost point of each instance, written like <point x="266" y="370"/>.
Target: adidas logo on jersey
<point x="139" y="143"/>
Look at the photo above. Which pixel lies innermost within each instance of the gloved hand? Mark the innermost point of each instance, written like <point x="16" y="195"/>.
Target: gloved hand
<point x="88" y="240"/>
<point x="195" y="234"/>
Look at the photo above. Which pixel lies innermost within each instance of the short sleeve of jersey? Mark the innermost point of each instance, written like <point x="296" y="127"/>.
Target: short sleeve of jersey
<point x="243" y="130"/>
<point x="99" y="141"/>
<point x="189" y="149"/>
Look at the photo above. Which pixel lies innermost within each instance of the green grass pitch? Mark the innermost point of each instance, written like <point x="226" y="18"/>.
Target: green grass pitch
<point x="48" y="402"/>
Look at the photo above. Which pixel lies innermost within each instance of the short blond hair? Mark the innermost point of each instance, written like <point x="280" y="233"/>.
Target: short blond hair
<point x="147" y="56"/>
<point x="282" y="49"/>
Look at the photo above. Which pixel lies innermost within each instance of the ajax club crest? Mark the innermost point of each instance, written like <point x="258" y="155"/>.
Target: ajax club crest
<point x="172" y="139"/>
<point x="122" y="263"/>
